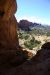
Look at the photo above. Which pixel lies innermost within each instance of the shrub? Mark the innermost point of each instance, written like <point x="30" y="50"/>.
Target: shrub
<point x="26" y="37"/>
<point x="21" y="35"/>
<point x="38" y="42"/>
<point x="32" y="43"/>
<point x="28" y="45"/>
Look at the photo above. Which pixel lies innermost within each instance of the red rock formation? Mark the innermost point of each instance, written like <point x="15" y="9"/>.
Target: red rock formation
<point x="10" y="51"/>
<point x="38" y="65"/>
<point x="8" y="8"/>
<point x="9" y="43"/>
<point x="8" y="25"/>
<point x="27" y="25"/>
<point x="8" y="34"/>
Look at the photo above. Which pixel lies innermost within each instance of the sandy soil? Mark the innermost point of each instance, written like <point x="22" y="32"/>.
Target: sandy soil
<point x="42" y="38"/>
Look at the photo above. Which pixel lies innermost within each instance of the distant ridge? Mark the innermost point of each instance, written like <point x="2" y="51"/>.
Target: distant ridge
<point x="27" y="25"/>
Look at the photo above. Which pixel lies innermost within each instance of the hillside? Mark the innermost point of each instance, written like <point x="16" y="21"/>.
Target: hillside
<point x="32" y="35"/>
<point x="36" y="28"/>
<point x="27" y="25"/>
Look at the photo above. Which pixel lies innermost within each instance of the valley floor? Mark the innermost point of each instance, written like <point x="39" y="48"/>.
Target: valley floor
<point x="41" y="38"/>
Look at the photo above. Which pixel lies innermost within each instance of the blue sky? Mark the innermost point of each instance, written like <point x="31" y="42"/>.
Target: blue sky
<point x="34" y="11"/>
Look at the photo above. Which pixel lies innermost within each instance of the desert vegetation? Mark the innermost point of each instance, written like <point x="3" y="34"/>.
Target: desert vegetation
<point x="34" y="39"/>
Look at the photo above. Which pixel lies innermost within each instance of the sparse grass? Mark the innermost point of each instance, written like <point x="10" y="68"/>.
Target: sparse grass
<point x="23" y="35"/>
<point x="32" y="43"/>
<point x="31" y="40"/>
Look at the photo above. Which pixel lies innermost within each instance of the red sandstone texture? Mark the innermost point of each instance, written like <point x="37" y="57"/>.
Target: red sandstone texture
<point x="38" y="65"/>
<point x="13" y="61"/>
<point x="8" y="31"/>
<point x="8" y="24"/>
<point x="10" y="51"/>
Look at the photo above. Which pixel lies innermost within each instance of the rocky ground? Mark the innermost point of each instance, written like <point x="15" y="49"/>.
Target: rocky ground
<point x="38" y="65"/>
<point x="41" y="38"/>
<point x="13" y="59"/>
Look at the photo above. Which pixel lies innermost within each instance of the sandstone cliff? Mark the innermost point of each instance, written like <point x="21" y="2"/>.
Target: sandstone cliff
<point x="10" y="51"/>
<point x="11" y="54"/>
<point x="8" y="32"/>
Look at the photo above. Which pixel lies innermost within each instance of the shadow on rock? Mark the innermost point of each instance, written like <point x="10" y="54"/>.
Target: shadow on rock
<point x="38" y="65"/>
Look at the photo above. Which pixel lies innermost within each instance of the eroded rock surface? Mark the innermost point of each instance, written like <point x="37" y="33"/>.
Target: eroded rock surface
<point x="11" y="54"/>
<point x="8" y="31"/>
<point x="38" y="65"/>
<point x="7" y="9"/>
<point x="8" y="25"/>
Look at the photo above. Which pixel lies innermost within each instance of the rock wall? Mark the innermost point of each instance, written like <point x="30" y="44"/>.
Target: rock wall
<point x="10" y="51"/>
<point x="11" y="54"/>
<point x="9" y="43"/>
<point x="38" y="65"/>
<point x="8" y="25"/>
<point x="7" y="9"/>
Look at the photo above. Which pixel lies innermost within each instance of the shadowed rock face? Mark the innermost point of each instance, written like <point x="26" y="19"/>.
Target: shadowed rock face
<point x="11" y="54"/>
<point x="8" y="31"/>
<point x="38" y="65"/>
<point x="46" y="46"/>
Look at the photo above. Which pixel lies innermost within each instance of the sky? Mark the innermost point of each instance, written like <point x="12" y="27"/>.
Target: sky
<point x="34" y="11"/>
